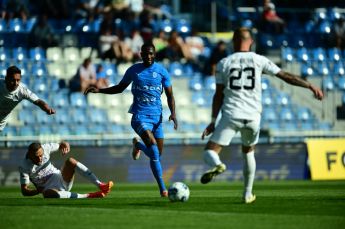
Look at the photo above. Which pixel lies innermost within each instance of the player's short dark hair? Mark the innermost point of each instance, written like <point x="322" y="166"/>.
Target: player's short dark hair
<point x="148" y="45"/>
<point x="13" y="70"/>
<point x="34" y="147"/>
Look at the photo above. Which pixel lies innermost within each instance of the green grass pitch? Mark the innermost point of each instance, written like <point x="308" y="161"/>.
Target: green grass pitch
<point x="279" y="204"/>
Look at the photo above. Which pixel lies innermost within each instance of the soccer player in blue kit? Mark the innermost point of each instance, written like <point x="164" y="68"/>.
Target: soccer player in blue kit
<point x="148" y="80"/>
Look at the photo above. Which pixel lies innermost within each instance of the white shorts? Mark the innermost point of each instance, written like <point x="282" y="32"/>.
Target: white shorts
<point x="56" y="182"/>
<point x="227" y="128"/>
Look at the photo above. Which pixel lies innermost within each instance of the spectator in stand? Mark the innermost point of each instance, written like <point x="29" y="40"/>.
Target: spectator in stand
<point x="218" y="52"/>
<point x="338" y="33"/>
<point x="119" y="51"/>
<point x="195" y="44"/>
<point x="42" y="34"/>
<point x="85" y="77"/>
<point x="88" y="8"/>
<point x="146" y="25"/>
<point x="176" y="49"/>
<point x="16" y="9"/>
<point x="160" y="41"/>
<point x="101" y="77"/>
<point x="135" y="42"/>
<point x="272" y="23"/>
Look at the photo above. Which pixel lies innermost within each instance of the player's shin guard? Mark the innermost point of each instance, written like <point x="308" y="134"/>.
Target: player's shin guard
<point x="249" y="167"/>
<point x="156" y="167"/>
<point x="87" y="173"/>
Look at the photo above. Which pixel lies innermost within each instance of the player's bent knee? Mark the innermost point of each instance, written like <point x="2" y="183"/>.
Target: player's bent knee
<point x="248" y="149"/>
<point x="213" y="146"/>
<point x="50" y="193"/>
<point x="71" y="161"/>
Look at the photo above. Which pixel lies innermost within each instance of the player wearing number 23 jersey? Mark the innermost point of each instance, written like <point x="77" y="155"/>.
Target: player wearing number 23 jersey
<point x="240" y="74"/>
<point x="238" y="95"/>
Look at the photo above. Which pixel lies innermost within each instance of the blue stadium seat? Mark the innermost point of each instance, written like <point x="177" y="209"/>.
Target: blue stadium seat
<point x="210" y="83"/>
<point x="265" y="83"/>
<point x="42" y="118"/>
<point x="283" y="99"/>
<point x="307" y="70"/>
<point x="319" y="54"/>
<point x="267" y="98"/>
<point x="10" y="131"/>
<point x="16" y="25"/>
<point x="334" y="54"/>
<point x="183" y="27"/>
<point x="269" y="114"/>
<point x="60" y="100"/>
<point x="26" y="116"/>
<point x="195" y="83"/>
<point x="40" y="85"/>
<point x="98" y="129"/>
<point x="62" y="130"/>
<point x="19" y="54"/>
<point x="3" y="26"/>
<point x="4" y="54"/>
<point x="176" y="69"/>
<point x="290" y="126"/>
<point x="288" y="54"/>
<point x="97" y="116"/>
<point x="338" y="69"/>
<point x="62" y="116"/>
<point x="304" y="114"/>
<point x="27" y="131"/>
<point x="198" y="98"/>
<point x="286" y="115"/>
<point x="302" y="54"/>
<point x="79" y="116"/>
<point x="328" y="84"/>
<point x="37" y="54"/>
<point x="29" y="24"/>
<point x="166" y="26"/>
<point x="341" y="83"/>
<point x="325" y="126"/>
<point x="115" y="128"/>
<point x="307" y="126"/>
<point x="44" y="130"/>
<point x="77" y="99"/>
<point x="323" y="69"/>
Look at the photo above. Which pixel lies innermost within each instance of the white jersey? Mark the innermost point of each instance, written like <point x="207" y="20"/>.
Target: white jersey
<point x="240" y="73"/>
<point x="9" y="100"/>
<point x="39" y="174"/>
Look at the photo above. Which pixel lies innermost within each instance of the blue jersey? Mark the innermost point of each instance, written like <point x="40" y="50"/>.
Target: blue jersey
<point x="147" y="87"/>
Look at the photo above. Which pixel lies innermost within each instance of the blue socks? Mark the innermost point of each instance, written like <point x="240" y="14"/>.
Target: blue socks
<point x="153" y="153"/>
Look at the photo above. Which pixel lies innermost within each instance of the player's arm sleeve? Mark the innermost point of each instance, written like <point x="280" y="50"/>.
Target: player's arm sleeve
<point x="23" y="177"/>
<point x="269" y="67"/>
<point x="166" y="82"/>
<point x="50" y="147"/>
<point x="127" y="78"/>
<point x="29" y="95"/>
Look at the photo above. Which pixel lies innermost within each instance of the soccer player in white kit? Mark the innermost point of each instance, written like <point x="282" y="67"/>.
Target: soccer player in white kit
<point x="50" y="181"/>
<point x="12" y="92"/>
<point x="238" y="97"/>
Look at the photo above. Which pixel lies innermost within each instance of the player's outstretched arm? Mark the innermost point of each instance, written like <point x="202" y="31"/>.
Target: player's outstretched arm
<point x="119" y="88"/>
<point x="64" y="147"/>
<point x="26" y="191"/>
<point x="44" y="106"/>
<point x="298" y="81"/>
<point x="216" y="105"/>
<point x="171" y="104"/>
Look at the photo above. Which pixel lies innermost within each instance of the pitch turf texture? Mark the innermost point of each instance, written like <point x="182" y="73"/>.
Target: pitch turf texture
<point x="279" y="204"/>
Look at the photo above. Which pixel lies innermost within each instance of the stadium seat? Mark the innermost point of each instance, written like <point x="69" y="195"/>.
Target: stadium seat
<point x="302" y="55"/>
<point x="19" y="54"/>
<point x="176" y="69"/>
<point x="341" y="83"/>
<point x="63" y="116"/>
<point x="319" y="54"/>
<point x="334" y="54"/>
<point x="323" y="69"/>
<point x="286" y="115"/>
<point x="198" y="98"/>
<point x="328" y="84"/>
<point x="97" y="116"/>
<point x="79" y="116"/>
<point x="303" y="114"/>
<point x="307" y="126"/>
<point x="77" y="99"/>
<point x="210" y="83"/>
<point x="338" y="69"/>
<point x="195" y="83"/>
<point x="60" y="100"/>
<point x="26" y="117"/>
<point x="307" y="70"/>
<point x="267" y="98"/>
<point x="37" y="54"/>
<point x="44" y="130"/>
<point x="4" y="54"/>
<point x="269" y="115"/>
<point x="16" y="25"/>
<point x="27" y="131"/>
<point x="62" y="130"/>
<point x="54" y="54"/>
<point x="287" y="54"/>
<point x="71" y="54"/>
<point x="42" y="118"/>
<point x="96" y="100"/>
<point x="183" y="27"/>
<point x="39" y="69"/>
<point x="282" y="99"/>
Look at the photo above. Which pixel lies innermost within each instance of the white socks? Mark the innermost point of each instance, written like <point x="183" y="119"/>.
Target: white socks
<point x="249" y="167"/>
<point x="85" y="172"/>
<point x="67" y="195"/>
<point x="211" y="158"/>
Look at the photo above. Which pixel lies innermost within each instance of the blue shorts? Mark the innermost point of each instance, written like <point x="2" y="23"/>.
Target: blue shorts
<point x="141" y="123"/>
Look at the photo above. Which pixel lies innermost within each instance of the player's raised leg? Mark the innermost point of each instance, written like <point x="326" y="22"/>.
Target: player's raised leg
<point x="72" y="165"/>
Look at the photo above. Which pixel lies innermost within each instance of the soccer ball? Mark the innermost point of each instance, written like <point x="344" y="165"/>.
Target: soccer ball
<point x="178" y="191"/>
